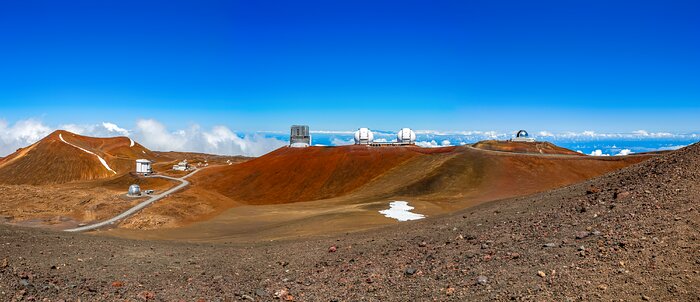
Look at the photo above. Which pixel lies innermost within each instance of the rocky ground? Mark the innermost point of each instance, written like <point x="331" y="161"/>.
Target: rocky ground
<point x="629" y="235"/>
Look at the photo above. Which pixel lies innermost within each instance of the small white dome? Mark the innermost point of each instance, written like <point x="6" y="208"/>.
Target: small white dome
<point x="406" y="135"/>
<point x="364" y="136"/>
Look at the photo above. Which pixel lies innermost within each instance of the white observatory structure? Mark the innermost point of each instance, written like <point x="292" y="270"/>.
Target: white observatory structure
<point x="406" y="136"/>
<point x="143" y="166"/>
<point x="523" y="136"/>
<point x="299" y="136"/>
<point x="363" y="136"/>
<point x="134" y="190"/>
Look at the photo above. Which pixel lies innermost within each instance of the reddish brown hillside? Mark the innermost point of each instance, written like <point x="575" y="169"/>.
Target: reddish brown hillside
<point x="302" y="174"/>
<point x="457" y="173"/>
<point x="524" y="147"/>
<point x="66" y="157"/>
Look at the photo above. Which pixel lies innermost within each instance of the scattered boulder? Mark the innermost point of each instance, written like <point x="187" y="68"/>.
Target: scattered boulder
<point x="410" y="271"/>
<point x="582" y="234"/>
<point x="482" y="280"/>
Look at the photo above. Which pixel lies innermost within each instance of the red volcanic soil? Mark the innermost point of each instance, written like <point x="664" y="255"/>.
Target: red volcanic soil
<point x="302" y="174"/>
<point x="292" y="175"/>
<point x="524" y="147"/>
<point x="52" y="161"/>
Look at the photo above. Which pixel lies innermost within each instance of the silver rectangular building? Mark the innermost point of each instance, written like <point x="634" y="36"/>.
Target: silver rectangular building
<point x="299" y="136"/>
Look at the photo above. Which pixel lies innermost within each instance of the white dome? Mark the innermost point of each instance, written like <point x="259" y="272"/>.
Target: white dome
<point x="406" y="135"/>
<point x="363" y="136"/>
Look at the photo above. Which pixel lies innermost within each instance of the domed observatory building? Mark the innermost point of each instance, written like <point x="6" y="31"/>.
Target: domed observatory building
<point x="299" y="136"/>
<point x="134" y="191"/>
<point x="523" y="136"/>
<point x="406" y="136"/>
<point x="363" y="136"/>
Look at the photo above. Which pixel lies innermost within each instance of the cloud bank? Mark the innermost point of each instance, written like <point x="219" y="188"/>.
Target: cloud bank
<point x="148" y="132"/>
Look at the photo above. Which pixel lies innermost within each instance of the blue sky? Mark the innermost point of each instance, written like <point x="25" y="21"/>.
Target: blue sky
<point x="608" y="66"/>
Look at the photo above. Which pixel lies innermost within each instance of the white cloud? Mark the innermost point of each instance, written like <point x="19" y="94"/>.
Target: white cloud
<point x="545" y="134"/>
<point x="21" y="134"/>
<point x="446" y="143"/>
<point x="114" y="128"/>
<point x="150" y="133"/>
<point x="426" y="144"/>
<point x="624" y="152"/>
<point x="599" y="153"/>
<point x="339" y="142"/>
<point x="641" y="133"/>
<point x="218" y="140"/>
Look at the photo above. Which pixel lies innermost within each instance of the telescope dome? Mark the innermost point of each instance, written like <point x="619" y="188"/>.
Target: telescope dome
<point x="522" y="133"/>
<point x="363" y="136"/>
<point x="406" y="135"/>
<point x="134" y="190"/>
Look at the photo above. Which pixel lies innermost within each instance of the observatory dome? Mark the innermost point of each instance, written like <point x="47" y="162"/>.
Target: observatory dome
<point x="363" y="136"/>
<point x="134" y="190"/>
<point x="522" y="133"/>
<point x="406" y="135"/>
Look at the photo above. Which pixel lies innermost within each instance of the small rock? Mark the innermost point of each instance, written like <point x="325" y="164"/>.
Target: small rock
<point x="596" y="233"/>
<point x="621" y="195"/>
<point x="117" y="284"/>
<point x="551" y="244"/>
<point x="541" y="274"/>
<point x="482" y="280"/>
<point x="484" y="246"/>
<point x="246" y="297"/>
<point x="582" y="248"/>
<point x="602" y="287"/>
<point x="332" y="249"/>
<point x="422" y="244"/>
<point x="645" y="298"/>
<point x="147" y="295"/>
<point x="282" y="293"/>
<point x="592" y="190"/>
<point x="410" y="271"/>
<point x="3" y="263"/>
<point x="260" y="292"/>
<point x="24" y="282"/>
<point x="582" y="234"/>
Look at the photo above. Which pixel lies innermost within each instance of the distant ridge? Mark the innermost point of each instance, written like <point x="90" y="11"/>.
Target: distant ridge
<point x="63" y="157"/>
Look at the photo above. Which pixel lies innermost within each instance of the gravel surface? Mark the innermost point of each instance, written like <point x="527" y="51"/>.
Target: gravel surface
<point x="629" y="235"/>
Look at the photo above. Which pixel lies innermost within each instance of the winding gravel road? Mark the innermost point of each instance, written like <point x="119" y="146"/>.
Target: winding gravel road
<point x="138" y="207"/>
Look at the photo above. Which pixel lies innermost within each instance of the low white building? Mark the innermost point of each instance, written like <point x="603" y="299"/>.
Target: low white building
<point x="181" y="166"/>
<point x="144" y="166"/>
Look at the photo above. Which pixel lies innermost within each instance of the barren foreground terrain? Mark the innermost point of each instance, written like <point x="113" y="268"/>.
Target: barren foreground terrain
<point x="628" y="235"/>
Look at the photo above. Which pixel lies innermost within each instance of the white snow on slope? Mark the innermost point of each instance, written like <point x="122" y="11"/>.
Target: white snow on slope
<point x="131" y="142"/>
<point x="104" y="163"/>
<point x="401" y="211"/>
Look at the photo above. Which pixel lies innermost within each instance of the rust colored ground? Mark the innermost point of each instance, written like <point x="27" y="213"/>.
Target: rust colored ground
<point x="524" y="147"/>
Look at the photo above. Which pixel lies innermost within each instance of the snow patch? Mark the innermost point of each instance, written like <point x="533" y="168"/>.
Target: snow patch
<point x="401" y="211"/>
<point x="104" y="163"/>
<point x="131" y="142"/>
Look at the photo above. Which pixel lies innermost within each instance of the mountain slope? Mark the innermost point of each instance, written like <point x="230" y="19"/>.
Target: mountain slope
<point x="630" y="235"/>
<point x="524" y="147"/>
<point x="63" y="157"/>
<point x="291" y="175"/>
